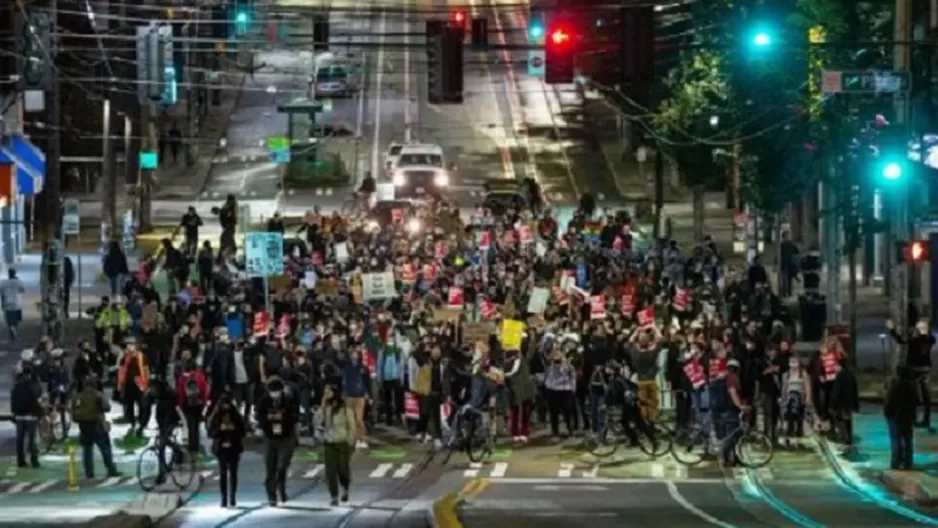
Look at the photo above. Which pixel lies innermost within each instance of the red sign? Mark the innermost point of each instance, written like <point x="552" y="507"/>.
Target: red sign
<point x="261" y="323"/>
<point x="485" y="241"/>
<point x="598" y="307"/>
<point x="407" y="274"/>
<point x="681" y="300"/>
<point x="456" y="299"/>
<point x="646" y="317"/>
<point x="629" y="300"/>
<point x="411" y="407"/>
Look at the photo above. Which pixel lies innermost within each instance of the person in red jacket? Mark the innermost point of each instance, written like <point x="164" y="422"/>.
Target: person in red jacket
<point x="192" y="397"/>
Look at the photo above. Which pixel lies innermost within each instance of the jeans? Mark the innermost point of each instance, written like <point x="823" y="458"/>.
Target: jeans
<point x="89" y="436"/>
<point x="26" y="429"/>
<point x="337" y="458"/>
<point x="901" y="445"/>
<point x="117" y="283"/>
<point x="13" y="319"/>
<point x="277" y="457"/>
<point x="728" y="433"/>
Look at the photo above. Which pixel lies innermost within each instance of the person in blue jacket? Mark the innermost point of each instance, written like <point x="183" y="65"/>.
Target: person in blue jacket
<point x="357" y="391"/>
<point x="390" y="372"/>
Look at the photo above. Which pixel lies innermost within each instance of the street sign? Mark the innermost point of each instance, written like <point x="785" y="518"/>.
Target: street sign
<point x="856" y="82"/>
<point x="279" y="149"/>
<point x="536" y="63"/>
<point x="263" y="254"/>
<point x="71" y="225"/>
<point x="149" y="160"/>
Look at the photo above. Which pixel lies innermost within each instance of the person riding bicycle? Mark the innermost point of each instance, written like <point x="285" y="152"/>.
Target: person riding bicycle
<point x="622" y="387"/>
<point x="58" y="382"/>
<point x="727" y="404"/>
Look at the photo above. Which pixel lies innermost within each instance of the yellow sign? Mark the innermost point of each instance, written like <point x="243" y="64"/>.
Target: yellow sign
<point x="512" y="332"/>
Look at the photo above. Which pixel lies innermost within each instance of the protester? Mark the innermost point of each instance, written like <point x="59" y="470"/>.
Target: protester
<point x="227" y="429"/>
<point x="336" y="422"/>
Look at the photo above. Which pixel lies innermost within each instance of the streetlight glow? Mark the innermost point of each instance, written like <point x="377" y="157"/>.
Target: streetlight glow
<point x="892" y="171"/>
<point x="762" y="39"/>
<point x="242" y="17"/>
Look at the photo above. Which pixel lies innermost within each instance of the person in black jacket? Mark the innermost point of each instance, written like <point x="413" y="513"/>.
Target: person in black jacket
<point x="844" y="401"/>
<point x="88" y="363"/>
<point x="919" y="343"/>
<point x="277" y="417"/>
<point x="26" y="404"/>
<point x="899" y="410"/>
<point x="226" y="427"/>
<point x="115" y="267"/>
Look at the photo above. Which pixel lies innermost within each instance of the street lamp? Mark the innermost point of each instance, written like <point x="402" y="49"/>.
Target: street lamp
<point x="892" y="171"/>
<point x="762" y="39"/>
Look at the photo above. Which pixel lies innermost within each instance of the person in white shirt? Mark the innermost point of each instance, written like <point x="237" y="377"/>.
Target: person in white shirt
<point x="11" y="295"/>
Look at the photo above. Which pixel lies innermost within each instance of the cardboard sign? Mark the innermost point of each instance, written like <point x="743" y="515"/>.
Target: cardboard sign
<point x="567" y="280"/>
<point x="473" y="332"/>
<point x="512" y="333"/>
<point x="447" y="314"/>
<point x="598" y="307"/>
<point x="538" y="301"/>
<point x="487" y="309"/>
<point x="681" y="300"/>
<point x="378" y="286"/>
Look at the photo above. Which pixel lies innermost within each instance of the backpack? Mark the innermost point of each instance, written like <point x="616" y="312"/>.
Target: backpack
<point x="719" y="397"/>
<point x="84" y="407"/>
<point x="193" y="394"/>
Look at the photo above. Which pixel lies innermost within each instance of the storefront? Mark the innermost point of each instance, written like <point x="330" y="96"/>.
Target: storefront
<point x="22" y="176"/>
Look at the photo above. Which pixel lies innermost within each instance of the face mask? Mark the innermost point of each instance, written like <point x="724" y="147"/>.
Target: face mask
<point x="276" y="395"/>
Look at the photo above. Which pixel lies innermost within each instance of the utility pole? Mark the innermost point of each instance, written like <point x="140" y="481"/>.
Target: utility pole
<point x="899" y="294"/>
<point x="190" y="78"/>
<point x="53" y="250"/>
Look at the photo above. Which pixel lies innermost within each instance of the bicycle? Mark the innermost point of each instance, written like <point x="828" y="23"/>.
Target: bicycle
<point x="180" y="465"/>
<point x="612" y="435"/>
<point x="691" y="445"/>
<point x="56" y="422"/>
<point x="468" y="433"/>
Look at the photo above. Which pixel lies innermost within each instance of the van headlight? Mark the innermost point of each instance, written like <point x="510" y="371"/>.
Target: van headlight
<point x="398" y="179"/>
<point x="441" y="179"/>
<point x="413" y="225"/>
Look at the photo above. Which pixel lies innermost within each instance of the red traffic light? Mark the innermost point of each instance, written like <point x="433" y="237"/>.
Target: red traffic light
<point x="559" y="37"/>
<point x="459" y="17"/>
<point x="916" y="251"/>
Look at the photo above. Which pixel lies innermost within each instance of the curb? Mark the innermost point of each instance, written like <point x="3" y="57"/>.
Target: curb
<point x="443" y="514"/>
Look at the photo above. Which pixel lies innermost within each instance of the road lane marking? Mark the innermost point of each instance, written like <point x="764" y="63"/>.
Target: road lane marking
<point x="403" y="471"/>
<point x="17" y="488"/>
<point x="694" y="510"/>
<point x="381" y="470"/>
<point x="111" y="481"/>
<point x="474" y="488"/>
<point x="44" y="486"/>
<point x="605" y="480"/>
<point x="565" y="471"/>
<point x="549" y="487"/>
<point x="473" y="471"/>
<point x="499" y="470"/>
<point x="312" y="472"/>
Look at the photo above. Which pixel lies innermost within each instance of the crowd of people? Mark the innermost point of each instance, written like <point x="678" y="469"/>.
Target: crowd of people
<point x="507" y="312"/>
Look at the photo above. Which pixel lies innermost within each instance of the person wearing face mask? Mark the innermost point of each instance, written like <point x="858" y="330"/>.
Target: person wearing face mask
<point x="335" y="422"/>
<point x="277" y="415"/>
<point x="89" y="410"/>
<point x="221" y="365"/>
<point x="227" y="429"/>
<point x="191" y="397"/>
<point x="919" y="344"/>
<point x="560" y="391"/>
<point x="87" y="363"/>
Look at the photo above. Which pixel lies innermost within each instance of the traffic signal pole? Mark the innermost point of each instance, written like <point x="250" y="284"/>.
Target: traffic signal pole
<point x="899" y="271"/>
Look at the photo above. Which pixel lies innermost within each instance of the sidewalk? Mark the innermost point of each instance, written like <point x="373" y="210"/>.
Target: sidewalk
<point x="869" y="470"/>
<point x="179" y="180"/>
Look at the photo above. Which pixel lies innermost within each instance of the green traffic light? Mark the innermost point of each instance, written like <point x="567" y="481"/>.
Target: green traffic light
<point x="241" y="17"/>
<point x="762" y="39"/>
<point x="892" y="171"/>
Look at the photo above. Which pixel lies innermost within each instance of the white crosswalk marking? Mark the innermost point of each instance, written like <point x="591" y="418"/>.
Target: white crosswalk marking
<point x="499" y="470"/>
<point x="44" y="486"/>
<point x="565" y="471"/>
<point x="312" y="472"/>
<point x="473" y="471"/>
<point x="111" y="481"/>
<point x="402" y="471"/>
<point x="17" y="488"/>
<point x="381" y="470"/>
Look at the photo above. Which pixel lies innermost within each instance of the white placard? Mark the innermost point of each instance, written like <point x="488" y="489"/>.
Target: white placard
<point x="378" y="286"/>
<point x="538" y="301"/>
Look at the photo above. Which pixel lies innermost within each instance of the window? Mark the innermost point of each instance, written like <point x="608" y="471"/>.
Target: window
<point x="395" y="150"/>
<point x="332" y="74"/>
<point x="422" y="160"/>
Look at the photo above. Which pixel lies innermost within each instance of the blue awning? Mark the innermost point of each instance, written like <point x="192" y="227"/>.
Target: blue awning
<point x="30" y="163"/>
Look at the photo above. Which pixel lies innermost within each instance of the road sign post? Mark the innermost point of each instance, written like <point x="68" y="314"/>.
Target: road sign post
<point x="860" y="82"/>
<point x="263" y="257"/>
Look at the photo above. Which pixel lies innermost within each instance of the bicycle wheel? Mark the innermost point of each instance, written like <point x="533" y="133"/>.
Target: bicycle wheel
<point x="754" y="450"/>
<point x="148" y="468"/>
<point x="656" y="444"/>
<point x="46" y="434"/>
<point x="477" y="442"/>
<point x="605" y="444"/>
<point x="184" y="466"/>
<point x="688" y="446"/>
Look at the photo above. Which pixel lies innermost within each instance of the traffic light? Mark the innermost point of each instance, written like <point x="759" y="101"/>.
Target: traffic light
<point x="34" y="37"/>
<point x="916" y="251"/>
<point x="444" y="62"/>
<point x="321" y="33"/>
<point x="480" y="31"/>
<point x="458" y="19"/>
<point x="242" y="18"/>
<point x="559" y="50"/>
